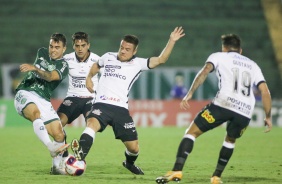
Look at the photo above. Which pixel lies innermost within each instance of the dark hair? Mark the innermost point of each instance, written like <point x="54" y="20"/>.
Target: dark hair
<point x="131" y="39"/>
<point x="59" y="37"/>
<point x="80" y="36"/>
<point x="231" y="42"/>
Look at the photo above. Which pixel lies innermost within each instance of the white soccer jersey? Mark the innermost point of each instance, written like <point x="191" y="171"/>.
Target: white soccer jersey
<point x="236" y="76"/>
<point x="117" y="78"/>
<point x="78" y="72"/>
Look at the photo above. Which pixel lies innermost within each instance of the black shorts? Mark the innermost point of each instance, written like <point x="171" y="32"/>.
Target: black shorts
<point x="73" y="107"/>
<point x="118" y="117"/>
<point x="212" y="116"/>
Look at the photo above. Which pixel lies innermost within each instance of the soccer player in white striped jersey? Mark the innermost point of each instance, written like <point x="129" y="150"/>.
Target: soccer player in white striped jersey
<point x="234" y="103"/>
<point x="78" y="100"/>
<point x="121" y="70"/>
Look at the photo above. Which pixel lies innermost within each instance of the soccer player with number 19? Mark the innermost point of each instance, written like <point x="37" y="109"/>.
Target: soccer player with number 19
<point x="234" y="103"/>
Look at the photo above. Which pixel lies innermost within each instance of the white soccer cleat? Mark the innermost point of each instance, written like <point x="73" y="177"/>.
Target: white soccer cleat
<point x="56" y="148"/>
<point x="59" y="169"/>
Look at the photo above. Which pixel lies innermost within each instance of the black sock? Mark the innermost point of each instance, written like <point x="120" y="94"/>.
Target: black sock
<point x="130" y="158"/>
<point x="66" y="153"/>
<point x="85" y="142"/>
<point x="224" y="156"/>
<point x="185" y="148"/>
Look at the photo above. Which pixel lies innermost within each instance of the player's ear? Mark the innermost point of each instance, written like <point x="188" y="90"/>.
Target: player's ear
<point x="64" y="49"/>
<point x="135" y="50"/>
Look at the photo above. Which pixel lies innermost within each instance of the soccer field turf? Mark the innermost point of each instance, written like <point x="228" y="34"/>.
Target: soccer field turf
<point x="257" y="158"/>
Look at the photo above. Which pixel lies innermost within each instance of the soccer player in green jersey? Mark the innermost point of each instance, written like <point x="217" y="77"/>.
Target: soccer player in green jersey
<point x="32" y="99"/>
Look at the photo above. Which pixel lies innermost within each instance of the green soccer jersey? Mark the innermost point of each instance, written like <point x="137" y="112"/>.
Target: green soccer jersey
<point x="32" y="82"/>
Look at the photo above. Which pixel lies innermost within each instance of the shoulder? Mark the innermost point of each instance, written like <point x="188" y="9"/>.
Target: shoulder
<point x="217" y="54"/>
<point x="109" y="56"/>
<point x="94" y="57"/>
<point x="42" y="50"/>
<point x="69" y="57"/>
<point x="140" y="59"/>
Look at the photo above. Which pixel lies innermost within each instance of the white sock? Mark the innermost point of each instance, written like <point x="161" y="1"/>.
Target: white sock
<point x="41" y="132"/>
<point x="90" y="132"/>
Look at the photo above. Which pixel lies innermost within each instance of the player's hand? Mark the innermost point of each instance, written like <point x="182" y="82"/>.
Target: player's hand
<point x="184" y="103"/>
<point x="89" y="85"/>
<point x="177" y="33"/>
<point x="27" y="68"/>
<point x="268" y="124"/>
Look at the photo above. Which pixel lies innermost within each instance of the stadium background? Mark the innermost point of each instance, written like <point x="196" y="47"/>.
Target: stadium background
<point x="27" y="25"/>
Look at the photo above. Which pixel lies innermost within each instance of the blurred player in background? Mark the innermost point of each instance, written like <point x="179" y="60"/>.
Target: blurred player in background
<point x="78" y="100"/>
<point x="178" y="91"/>
<point x="32" y="100"/>
<point x="121" y="70"/>
<point x="234" y="103"/>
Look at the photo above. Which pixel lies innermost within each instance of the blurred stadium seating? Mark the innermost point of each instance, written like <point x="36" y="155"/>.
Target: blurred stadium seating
<point x="27" y="25"/>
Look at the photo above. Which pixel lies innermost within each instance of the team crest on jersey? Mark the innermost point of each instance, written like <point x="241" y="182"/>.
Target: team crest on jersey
<point x="67" y="102"/>
<point x="97" y="112"/>
<point x="23" y="101"/>
<point x="207" y="115"/>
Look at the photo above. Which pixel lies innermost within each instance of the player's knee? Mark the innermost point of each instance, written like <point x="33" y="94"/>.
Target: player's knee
<point x="94" y="124"/>
<point x="230" y="139"/>
<point x="133" y="148"/>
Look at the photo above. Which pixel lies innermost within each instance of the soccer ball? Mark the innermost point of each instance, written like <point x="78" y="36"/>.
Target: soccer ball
<point x="75" y="167"/>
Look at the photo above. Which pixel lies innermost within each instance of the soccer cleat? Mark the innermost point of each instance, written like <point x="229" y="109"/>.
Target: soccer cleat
<point x="59" y="169"/>
<point x="56" y="148"/>
<point x="216" y="180"/>
<point x="77" y="150"/>
<point x="170" y="176"/>
<point x="132" y="168"/>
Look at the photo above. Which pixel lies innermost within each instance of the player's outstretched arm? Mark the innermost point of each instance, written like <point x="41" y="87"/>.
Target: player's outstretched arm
<point x="93" y="71"/>
<point x="175" y="35"/>
<point x="46" y="75"/>
<point x="199" y="79"/>
<point x="266" y="102"/>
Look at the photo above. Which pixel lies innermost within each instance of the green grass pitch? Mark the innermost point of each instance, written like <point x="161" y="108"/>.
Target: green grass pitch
<point x="257" y="158"/>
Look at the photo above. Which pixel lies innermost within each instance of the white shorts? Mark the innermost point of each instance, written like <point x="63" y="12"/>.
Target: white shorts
<point x="24" y="98"/>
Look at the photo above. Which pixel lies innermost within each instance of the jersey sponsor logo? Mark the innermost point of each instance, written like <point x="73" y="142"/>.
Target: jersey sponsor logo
<point x="43" y="62"/>
<point x="129" y="125"/>
<point x="78" y="82"/>
<point x="97" y="112"/>
<point x="110" y="71"/>
<point x="104" y="97"/>
<point x="67" y="102"/>
<point x="113" y="66"/>
<point x="52" y="67"/>
<point x="206" y="114"/>
<point x="238" y="105"/>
